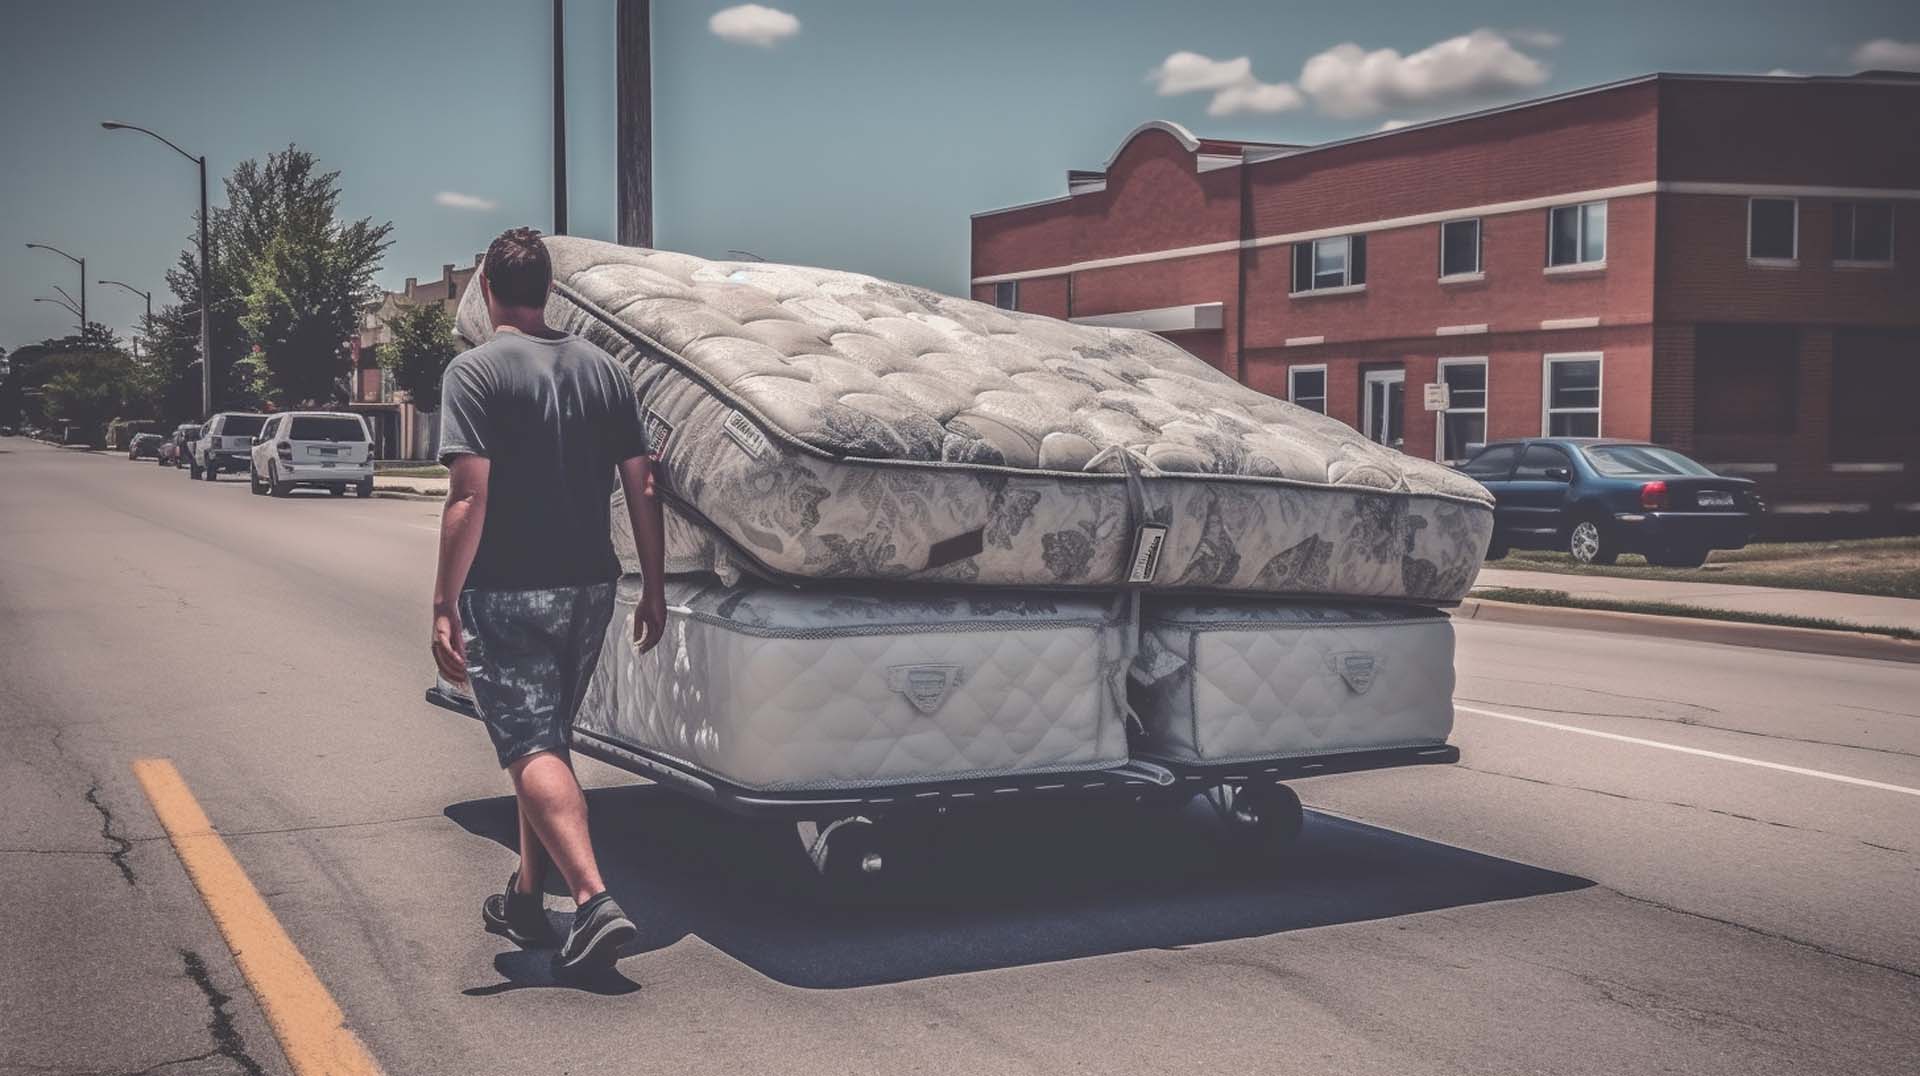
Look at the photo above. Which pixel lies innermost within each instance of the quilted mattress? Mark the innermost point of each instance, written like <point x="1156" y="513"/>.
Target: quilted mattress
<point x="818" y="425"/>
<point x="1246" y="680"/>
<point x="771" y="688"/>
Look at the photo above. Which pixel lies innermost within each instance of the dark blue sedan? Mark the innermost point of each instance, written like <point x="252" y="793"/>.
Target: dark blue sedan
<point x="1597" y="499"/>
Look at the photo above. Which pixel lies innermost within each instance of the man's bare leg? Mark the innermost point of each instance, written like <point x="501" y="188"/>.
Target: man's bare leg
<point x="551" y="802"/>
<point x="533" y="857"/>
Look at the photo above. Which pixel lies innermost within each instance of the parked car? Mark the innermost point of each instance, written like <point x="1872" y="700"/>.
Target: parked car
<point x="1596" y="499"/>
<point x="223" y="444"/>
<point x="328" y="449"/>
<point x="174" y="450"/>
<point x="145" y="446"/>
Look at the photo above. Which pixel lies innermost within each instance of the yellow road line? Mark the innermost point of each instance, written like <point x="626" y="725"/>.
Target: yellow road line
<point x="310" y="1026"/>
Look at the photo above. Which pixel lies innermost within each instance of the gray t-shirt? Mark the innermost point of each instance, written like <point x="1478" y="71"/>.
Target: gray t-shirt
<point x="553" y="417"/>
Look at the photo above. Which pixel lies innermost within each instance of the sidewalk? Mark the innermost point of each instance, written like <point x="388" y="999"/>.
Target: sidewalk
<point x="419" y="487"/>
<point x="1852" y="608"/>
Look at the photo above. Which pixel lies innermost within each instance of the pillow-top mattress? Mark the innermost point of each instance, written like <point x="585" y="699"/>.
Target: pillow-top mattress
<point x="818" y="426"/>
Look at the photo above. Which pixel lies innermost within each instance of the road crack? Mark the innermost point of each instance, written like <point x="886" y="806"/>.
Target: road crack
<point x="227" y="1040"/>
<point x="122" y="846"/>
<point x="1774" y="935"/>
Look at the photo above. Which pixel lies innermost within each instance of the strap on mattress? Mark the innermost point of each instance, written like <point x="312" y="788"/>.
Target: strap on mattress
<point x="1133" y="464"/>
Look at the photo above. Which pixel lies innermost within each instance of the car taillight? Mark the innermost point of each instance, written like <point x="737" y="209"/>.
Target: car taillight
<point x="284" y="450"/>
<point x="1653" y="496"/>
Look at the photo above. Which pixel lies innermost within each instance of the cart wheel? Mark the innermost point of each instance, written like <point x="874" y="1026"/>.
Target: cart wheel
<point x="849" y="854"/>
<point x="1263" y="819"/>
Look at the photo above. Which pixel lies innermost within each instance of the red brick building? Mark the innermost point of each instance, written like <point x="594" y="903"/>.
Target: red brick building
<point x="1729" y="265"/>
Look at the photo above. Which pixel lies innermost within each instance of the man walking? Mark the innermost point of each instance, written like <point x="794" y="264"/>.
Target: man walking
<point x="535" y="424"/>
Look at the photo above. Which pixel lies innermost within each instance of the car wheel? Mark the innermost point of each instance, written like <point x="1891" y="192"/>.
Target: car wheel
<point x="364" y="488"/>
<point x="254" y="485"/>
<point x="1685" y="557"/>
<point x="209" y="472"/>
<point x="336" y="491"/>
<point x="1496" y="548"/>
<point x="274" y="485"/>
<point x="193" y="471"/>
<point x="1590" y="542"/>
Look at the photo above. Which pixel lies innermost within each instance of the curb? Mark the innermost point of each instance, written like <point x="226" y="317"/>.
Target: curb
<point x="1846" y="644"/>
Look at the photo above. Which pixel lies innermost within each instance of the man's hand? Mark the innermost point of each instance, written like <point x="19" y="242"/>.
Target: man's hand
<point x="449" y="651"/>
<point x="649" y="618"/>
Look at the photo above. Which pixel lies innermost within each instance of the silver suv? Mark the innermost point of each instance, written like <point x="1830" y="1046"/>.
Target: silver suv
<point x="223" y="444"/>
<point x="329" y="449"/>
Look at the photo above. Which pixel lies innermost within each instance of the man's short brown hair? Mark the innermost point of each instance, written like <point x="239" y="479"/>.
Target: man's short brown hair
<point x="518" y="271"/>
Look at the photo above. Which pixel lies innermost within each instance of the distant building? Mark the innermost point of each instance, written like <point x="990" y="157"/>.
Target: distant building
<point x="400" y="431"/>
<point x="1728" y="265"/>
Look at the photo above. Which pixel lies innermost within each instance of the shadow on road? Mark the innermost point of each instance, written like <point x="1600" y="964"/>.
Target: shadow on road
<point x="1004" y="888"/>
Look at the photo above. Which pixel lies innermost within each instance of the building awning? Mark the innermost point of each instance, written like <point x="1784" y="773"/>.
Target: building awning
<point x="1199" y="317"/>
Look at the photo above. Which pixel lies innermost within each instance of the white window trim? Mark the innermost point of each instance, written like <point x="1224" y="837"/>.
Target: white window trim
<point x="1386" y="376"/>
<point x="1479" y="270"/>
<point x="1308" y="368"/>
<point x="1440" y="422"/>
<point x="1580" y="236"/>
<point x="1346" y="271"/>
<point x="1792" y="262"/>
<point x="1547" y="411"/>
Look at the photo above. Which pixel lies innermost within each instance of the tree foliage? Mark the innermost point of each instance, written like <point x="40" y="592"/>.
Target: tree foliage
<point x="304" y="274"/>
<point x="87" y="387"/>
<point x="417" y="356"/>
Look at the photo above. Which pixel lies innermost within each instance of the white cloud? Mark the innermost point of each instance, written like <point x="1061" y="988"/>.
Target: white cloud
<point x="1231" y="82"/>
<point x="753" y="24"/>
<point x="1886" y="54"/>
<point x="1781" y="72"/>
<point x="1186" y="72"/>
<point x="457" y="200"/>
<point x="1394" y="125"/>
<point x="1348" y="81"/>
<point x="1535" y="39"/>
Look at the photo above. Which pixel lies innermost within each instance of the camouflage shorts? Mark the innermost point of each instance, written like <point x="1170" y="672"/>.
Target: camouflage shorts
<point x="530" y="654"/>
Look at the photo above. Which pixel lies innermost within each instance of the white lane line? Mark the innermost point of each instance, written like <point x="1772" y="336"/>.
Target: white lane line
<point x="1722" y="756"/>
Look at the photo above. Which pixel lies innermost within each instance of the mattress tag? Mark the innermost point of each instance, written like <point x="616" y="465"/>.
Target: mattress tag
<point x="1148" y="541"/>
<point x="1357" y="667"/>
<point x="925" y="686"/>
<point x="747" y="435"/>
<point x="658" y="431"/>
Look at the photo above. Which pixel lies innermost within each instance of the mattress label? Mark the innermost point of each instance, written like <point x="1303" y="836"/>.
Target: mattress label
<point x="658" y="432"/>
<point x="1356" y="667"/>
<point x="747" y="435"/>
<point x="925" y="686"/>
<point x="1148" y="541"/>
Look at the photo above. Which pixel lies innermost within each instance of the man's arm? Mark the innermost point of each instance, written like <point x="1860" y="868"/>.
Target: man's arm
<point x="460" y="525"/>
<point x="650" y="541"/>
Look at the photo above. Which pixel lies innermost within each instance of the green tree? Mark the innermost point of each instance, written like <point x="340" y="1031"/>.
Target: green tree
<point x="303" y="274"/>
<point x="87" y="387"/>
<point x="422" y="346"/>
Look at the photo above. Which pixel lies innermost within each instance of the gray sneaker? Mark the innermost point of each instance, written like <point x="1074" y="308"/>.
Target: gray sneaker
<point x="600" y="928"/>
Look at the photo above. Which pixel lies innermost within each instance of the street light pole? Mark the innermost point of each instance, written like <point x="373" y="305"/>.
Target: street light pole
<point x="206" y="324"/>
<point x="559" y="118"/>
<point x="82" y="263"/>
<point x="146" y="325"/>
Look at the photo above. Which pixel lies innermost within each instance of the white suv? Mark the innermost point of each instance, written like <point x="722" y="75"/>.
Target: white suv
<point x="222" y="444"/>
<point x="313" y="448"/>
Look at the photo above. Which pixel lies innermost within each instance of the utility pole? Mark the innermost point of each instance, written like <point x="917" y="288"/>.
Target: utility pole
<point x="146" y="326"/>
<point x="559" y="117"/>
<point x="634" y="125"/>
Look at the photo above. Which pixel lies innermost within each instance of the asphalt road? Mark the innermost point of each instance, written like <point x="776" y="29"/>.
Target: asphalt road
<point x="1559" y="902"/>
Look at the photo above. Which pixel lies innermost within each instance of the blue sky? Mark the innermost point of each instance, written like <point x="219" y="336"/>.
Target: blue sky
<point x="851" y="133"/>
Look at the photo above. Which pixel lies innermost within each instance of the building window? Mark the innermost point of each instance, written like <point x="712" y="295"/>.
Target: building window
<point x="1773" y="229"/>
<point x="1577" y="234"/>
<point x="1006" y="295"/>
<point x="1336" y="262"/>
<point x="1459" y="248"/>
<point x="1463" y="425"/>
<point x="1863" y="232"/>
<point x="1571" y="396"/>
<point x="1307" y="387"/>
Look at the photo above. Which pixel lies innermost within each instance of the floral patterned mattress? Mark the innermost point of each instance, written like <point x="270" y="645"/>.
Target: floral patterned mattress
<point x="819" y="425"/>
